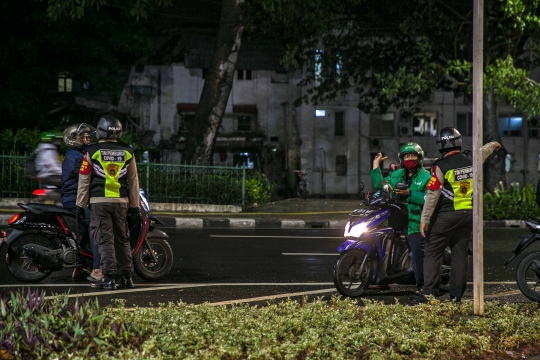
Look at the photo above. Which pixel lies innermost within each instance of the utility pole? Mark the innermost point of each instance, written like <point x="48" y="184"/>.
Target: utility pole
<point x="477" y="114"/>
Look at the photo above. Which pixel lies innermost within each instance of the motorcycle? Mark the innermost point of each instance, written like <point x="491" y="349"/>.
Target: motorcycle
<point x="375" y="251"/>
<point x="43" y="239"/>
<point x="528" y="270"/>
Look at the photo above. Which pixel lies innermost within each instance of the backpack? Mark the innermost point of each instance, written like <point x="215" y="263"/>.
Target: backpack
<point x="30" y="167"/>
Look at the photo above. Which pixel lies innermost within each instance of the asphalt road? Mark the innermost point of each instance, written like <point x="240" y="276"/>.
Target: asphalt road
<point x="257" y="266"/>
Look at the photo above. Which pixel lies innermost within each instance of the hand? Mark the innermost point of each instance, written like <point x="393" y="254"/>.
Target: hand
<point x="423" y="229"/>
<point x="133" y="217"/>
<point x="79" y="214"/>
<point x="378" y="159"/>
<point x="497" y="145"/>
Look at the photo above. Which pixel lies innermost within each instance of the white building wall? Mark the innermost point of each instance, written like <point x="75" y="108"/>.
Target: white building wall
<point x="281" y="116"/>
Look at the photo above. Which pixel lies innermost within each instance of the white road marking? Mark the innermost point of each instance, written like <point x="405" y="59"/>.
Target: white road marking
<point x="277" y="237"/>
<point x="270" y="297"/>
<point x="308" y="254"/>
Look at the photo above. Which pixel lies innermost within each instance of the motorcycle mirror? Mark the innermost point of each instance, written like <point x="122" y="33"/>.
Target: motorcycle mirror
<point x="402" y="186"/>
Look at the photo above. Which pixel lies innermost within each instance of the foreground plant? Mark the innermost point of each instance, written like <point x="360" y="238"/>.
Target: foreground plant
<point x="31" y="327"/>
<point x="338" y="330"/>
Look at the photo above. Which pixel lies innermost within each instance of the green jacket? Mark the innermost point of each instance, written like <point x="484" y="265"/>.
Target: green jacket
<point x="418" y="188"/>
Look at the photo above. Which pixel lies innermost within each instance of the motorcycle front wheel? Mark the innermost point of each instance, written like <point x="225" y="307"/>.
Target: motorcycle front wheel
<point x="352" y="272"/>
<point x="157" y="266"/>
<point x="20" y="265"/>
<point x="528" y="276"/>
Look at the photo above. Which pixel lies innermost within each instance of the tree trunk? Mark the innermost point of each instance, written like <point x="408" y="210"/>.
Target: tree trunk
<point x="217" y="85"/>
<point x="494" y="174"/>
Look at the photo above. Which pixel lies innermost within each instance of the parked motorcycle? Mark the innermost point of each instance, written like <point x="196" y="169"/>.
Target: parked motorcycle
<point x="528" y="270"/>
<point x="375" y="251"/>
<point x="43" y="239"/>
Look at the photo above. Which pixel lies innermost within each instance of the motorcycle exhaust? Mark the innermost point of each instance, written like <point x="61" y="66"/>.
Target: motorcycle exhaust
<point x="41" y="255"/>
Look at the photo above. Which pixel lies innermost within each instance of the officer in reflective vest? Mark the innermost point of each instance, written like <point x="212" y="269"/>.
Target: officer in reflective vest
<point x="448" y="214"/>
<point x="108" y="180"/>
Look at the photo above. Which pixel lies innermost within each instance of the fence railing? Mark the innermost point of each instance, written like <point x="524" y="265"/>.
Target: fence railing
<point x="164" y="183"/>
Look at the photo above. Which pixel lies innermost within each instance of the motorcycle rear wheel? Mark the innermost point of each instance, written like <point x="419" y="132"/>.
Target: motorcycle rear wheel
<point x="528" y="276"/>
<point x="352" y="273"/>
<point x="143" y="262"/>
<point x="20" y="265"/>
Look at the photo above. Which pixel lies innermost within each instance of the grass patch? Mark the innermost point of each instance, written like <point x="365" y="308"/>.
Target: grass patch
<point x="338" y="329"/>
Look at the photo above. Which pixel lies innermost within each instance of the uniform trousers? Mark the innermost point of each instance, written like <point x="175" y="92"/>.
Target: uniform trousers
<point x="454" y="229"/>
<point x="109" y="230"/>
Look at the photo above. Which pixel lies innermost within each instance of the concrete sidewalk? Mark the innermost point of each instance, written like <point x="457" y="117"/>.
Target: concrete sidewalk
<point x="283" y="214"/>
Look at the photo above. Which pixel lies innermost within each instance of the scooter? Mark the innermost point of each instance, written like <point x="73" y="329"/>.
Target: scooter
<point x="528" y="270"/>
<point x="375" y="251"/>
<point x="43" y="239"/>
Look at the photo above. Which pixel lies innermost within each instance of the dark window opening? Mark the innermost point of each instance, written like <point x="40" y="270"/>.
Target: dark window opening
<point x="244" y="123"/>
<point x="341" y="165"/>
<point x="339" y="123"/>
<point x="464" y="123"/>
<point x="204" y="73"/>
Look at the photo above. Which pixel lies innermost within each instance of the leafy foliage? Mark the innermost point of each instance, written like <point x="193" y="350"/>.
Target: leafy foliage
<point x="32" y="328"/>
<point x="514" y="204"/>
<point x="339" y="329"/>
<point x="258" y="188"/>
<point x="21" y="141"/>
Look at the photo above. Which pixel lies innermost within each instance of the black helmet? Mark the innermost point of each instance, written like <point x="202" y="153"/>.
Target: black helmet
<point x="109" y="127"/>
<point x="449" y="138"/>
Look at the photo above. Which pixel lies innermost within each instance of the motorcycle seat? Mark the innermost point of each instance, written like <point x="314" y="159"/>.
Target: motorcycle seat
<point x="35" y="208"/>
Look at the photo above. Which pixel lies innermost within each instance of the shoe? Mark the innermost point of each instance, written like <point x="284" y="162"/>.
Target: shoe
<point x="455" y="299"/>
<point x="126" y="282"/>
<point x="419" y="299"/>
<point x="106" y="284"/>
<point x="95" y="275"/>
<point x="79" y="272"/>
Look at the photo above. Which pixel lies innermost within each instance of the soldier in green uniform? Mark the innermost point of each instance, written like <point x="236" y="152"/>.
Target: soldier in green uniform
<point x="412" y="172"/>
<point x="108" y="181"/>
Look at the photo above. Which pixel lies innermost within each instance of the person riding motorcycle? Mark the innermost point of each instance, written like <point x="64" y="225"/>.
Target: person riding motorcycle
<point x="412" y="172"/>
<point x="48" y="166"/>
<point x="77" y="138"/>
<point x="108" y="180"/>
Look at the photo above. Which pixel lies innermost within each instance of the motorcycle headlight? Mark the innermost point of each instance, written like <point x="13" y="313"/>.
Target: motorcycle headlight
<point x="532" y="225"/>
<point x="355" y="231"/>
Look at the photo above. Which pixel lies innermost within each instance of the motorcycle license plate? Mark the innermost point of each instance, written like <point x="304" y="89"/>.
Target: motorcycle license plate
<point x="362" y="212"/>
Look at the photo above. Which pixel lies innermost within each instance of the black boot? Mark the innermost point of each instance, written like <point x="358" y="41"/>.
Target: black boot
<point x="126" y="282"/>
<point x="107" y="283"/>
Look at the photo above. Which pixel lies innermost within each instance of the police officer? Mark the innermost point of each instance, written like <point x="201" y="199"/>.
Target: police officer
<point x="448" y="213"/>
<point x="411" y="159"/>
<point x="108" y="178"/>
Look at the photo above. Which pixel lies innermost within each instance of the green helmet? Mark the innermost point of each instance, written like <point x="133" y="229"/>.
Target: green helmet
<point x="50" y="136"/>
<point x="411" y="148"/>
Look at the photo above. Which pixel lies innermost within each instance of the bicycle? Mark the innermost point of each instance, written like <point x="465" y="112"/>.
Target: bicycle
<point x="301" y="186"/>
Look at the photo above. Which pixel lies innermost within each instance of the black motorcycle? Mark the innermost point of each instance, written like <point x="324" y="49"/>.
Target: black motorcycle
<point x="44" y="239"/>
<point x="528" y="270"/>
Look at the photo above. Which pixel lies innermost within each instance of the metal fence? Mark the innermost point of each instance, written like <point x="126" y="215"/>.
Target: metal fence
<point x="13" y="181"/>
<point x="163" y="183"/>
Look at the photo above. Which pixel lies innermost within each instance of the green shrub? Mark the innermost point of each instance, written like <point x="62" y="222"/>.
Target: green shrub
<point x="511" y="204"/>
<point x="258" y="188"/>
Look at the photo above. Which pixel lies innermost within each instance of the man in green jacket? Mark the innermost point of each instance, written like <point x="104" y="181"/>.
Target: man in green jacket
<point x="412" y="172"/>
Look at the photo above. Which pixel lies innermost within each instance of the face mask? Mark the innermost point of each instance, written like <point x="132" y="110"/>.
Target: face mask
<point x="410" y="164"/>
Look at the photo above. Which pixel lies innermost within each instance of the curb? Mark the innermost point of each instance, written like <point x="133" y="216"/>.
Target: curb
<point x="223" y="222"/>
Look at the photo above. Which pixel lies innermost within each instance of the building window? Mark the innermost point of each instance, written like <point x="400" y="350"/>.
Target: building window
<point x="425" y="124"/>
<point x="243" y="74"/>
<point x="464" y="123"/>
<point x="65" y="82"/>
<point x="341" y="165"/>
<point x="320" y="113"/>
<point x="533" y="128"/>
<point x="510" y="125"/>
<point x="204" y="73"/>
<point x="339" y="123"/>
<point x="317" y="71"/>
<point x="381" y="124"/>
<point x="244" y="123"/>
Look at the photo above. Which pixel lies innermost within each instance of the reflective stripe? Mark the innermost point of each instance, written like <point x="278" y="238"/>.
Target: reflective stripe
<point x="447" y="193"/>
